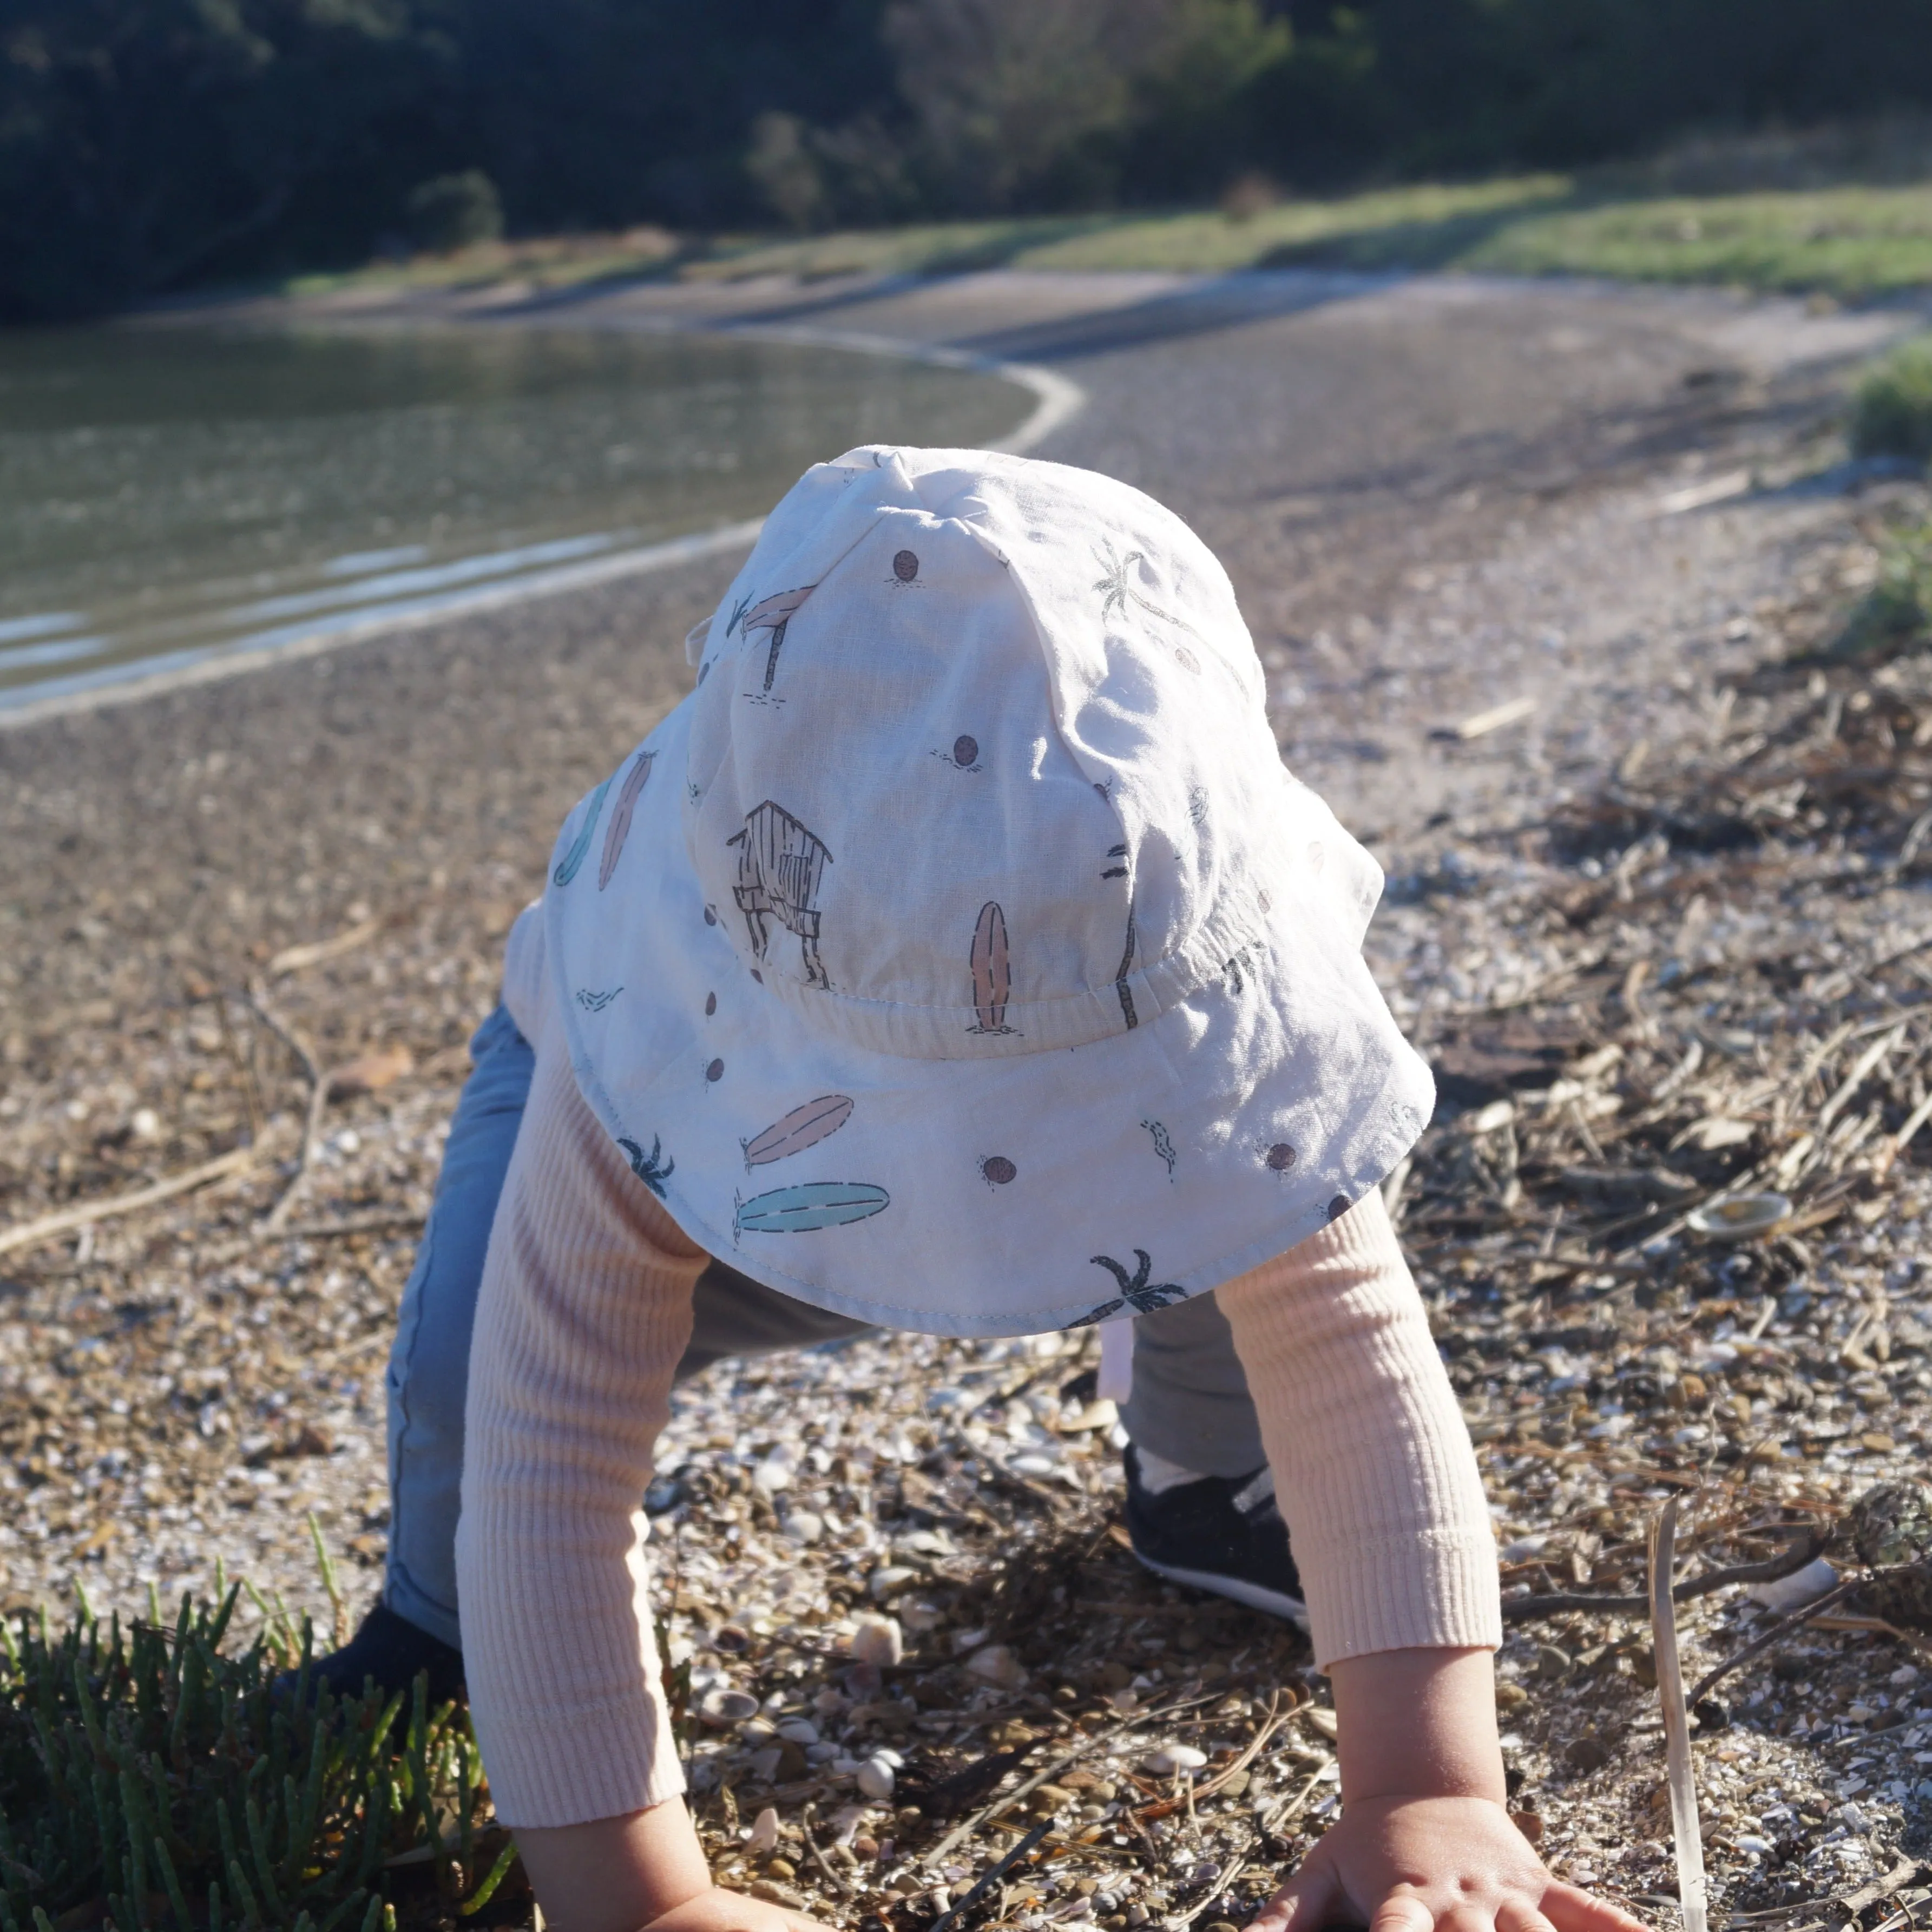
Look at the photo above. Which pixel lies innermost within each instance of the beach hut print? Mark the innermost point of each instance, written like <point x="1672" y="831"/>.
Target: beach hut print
<point x="620" y="827"/>
<point x="780" y="864"/>
<point x="992" y="971"/>
<point x="773" y="615"/>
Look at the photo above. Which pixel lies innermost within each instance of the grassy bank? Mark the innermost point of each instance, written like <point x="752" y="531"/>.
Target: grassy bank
<point x="1851" y="241"/>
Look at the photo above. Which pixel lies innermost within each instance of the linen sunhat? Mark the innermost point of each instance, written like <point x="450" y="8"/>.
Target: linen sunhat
<point x="959" y="955"/>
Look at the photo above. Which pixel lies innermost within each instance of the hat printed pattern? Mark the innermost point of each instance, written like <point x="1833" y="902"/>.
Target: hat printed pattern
<point x="959" y="904"/>
<point x="780" y="865"/>
<point x="773" y="615"/>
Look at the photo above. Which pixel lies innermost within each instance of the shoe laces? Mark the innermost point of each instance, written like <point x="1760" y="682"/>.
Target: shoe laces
<point x="1257" y="1490"/>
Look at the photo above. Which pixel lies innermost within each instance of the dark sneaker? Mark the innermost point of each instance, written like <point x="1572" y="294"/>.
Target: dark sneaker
<point x="1217" y="1533"/>
<point x="390" y="1649"/>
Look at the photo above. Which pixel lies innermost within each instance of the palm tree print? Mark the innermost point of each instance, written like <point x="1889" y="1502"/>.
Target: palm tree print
<point x="652" y="1168"/>
<point x="1119" y="592"/>
<point x="1137" y="1291"/>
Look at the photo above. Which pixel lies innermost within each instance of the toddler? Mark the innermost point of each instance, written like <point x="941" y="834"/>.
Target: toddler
<point x="958" y="957"/>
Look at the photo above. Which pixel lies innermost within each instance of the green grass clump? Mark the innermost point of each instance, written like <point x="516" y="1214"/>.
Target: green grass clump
<point x="150" y="1778"/>
<point x="1892" y="408"/>
<point x="1895" y="615"/>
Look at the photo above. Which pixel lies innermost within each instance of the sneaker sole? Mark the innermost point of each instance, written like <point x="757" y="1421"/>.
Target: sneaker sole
<point x="1270" y="1603"/>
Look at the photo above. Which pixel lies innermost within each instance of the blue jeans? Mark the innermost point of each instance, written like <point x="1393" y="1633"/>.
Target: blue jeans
<point x="1189" y="1403"/>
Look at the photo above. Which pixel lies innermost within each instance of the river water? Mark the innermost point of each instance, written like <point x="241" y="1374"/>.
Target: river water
<point x="167" y="494"/>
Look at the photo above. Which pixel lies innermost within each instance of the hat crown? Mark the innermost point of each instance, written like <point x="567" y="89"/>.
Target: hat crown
<point x="978" y="757"/>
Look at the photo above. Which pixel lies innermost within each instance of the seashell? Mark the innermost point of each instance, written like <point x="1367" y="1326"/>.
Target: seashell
<point x="995" y="1663"/>
<point x="878" y="1640"/>
<point x="1739" y="1217"/>
<point x="1170" y="1760"/>
<point x="875" y="1778"/>
<point x="804" y="1126"/>
<point x="1786" y="1594"/>
<point x="723" y="1708"/>
<point x="799" y="1731"/>
<point x="762" y="1837"/>
<point x="888" y="1581"/>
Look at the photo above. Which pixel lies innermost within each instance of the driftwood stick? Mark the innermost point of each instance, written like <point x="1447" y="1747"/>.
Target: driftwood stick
<point x="1024" y="1849"/>
<point x="32" y="1234"/>
<point x="1684" y="1832"/>
<point x="1765" y="1640"/>
<point x="318" y="1098"/>
<point x="1807" y="1547"/>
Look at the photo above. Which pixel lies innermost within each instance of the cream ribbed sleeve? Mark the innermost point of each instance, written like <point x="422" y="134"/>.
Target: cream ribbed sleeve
<point x="585" y="1310"/>
<point x="1372" y="1464"/>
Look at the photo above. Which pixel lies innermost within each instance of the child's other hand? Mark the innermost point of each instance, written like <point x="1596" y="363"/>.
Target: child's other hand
<point x="717" y="1909"/>
<point x="1431" y="1864"/>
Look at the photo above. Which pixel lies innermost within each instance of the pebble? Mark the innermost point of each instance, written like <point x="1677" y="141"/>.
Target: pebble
<point x="1788" y="1593"/>
<point x="876" y="1778"/>
<point x="805" y="1526"/>
<point x="878" y="1640"/>
<point x="799" y="1731"/>
<point x="770" y="1892"/>
<point x="780" y="1868"/>
<point x="1321" y="1721"/>
<point x="995" y="1663"/>
<point x="889" y="1579"/>
<point x="1172" y="1759"/>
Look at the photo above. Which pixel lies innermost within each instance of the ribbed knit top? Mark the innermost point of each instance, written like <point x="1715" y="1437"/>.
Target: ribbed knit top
<point x="586" y="1309"/>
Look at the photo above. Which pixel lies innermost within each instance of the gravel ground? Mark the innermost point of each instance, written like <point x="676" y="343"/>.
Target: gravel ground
<point x="1436" y="499"/>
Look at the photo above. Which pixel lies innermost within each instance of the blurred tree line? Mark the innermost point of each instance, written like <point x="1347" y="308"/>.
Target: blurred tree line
<point x="148" y="146"/>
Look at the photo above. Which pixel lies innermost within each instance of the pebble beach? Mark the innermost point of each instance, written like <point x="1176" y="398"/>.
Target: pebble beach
<point x="1536" y="571"/>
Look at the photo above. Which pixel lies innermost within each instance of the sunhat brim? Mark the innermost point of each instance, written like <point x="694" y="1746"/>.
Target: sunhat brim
<point x="1001" y="1196"/>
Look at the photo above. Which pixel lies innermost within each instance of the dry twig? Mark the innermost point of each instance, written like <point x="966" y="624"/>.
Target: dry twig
<point x="318" y="1098"/>
<point x="1690" y="1844"/>
<point x="31" y="1233"/>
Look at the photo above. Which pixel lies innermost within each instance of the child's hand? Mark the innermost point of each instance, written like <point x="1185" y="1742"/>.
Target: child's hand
<point x="643" y="1872"/>
<point x="1411" y="1864"/>
<point x="717" y="1910"/>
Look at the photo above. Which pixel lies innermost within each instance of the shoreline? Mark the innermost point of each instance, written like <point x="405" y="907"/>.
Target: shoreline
<point x="1056" y="402"/>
